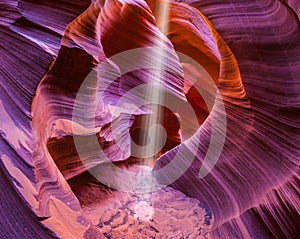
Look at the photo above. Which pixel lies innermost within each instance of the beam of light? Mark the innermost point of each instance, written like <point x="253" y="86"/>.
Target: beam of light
<point x="155" y="120"/>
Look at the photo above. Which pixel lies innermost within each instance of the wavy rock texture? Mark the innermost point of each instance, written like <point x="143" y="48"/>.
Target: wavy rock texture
<point x="243" y="136"/>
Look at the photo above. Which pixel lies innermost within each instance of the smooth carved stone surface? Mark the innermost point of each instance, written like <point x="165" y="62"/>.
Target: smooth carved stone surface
<point x="232" y="170"/>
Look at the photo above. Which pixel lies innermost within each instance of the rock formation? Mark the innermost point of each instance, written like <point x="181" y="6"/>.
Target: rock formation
<point x="84" y="86"/>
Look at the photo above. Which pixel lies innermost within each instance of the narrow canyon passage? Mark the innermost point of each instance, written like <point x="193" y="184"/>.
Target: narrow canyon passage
<point x="149" y="119"/>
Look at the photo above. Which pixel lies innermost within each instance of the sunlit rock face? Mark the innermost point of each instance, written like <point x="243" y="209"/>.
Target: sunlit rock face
<point x="84" y="86"/>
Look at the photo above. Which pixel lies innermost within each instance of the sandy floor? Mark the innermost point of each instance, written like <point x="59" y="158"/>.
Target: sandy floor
<point x="164" y="213"/>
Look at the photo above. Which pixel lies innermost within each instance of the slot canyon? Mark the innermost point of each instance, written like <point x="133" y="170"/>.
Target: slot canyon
<point x="150" y="119"/>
